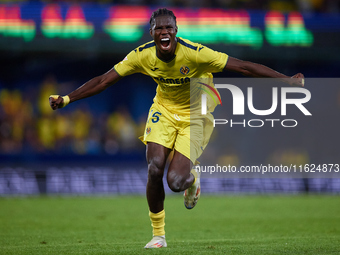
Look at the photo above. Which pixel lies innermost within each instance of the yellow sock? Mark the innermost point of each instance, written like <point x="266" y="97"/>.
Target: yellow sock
<point x="157" y="222"/>
<point x="194" y="173"/>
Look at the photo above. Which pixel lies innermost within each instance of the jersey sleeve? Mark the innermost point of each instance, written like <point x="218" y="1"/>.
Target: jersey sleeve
<point x="129" y="65"/>
<point x="210" y="60"/>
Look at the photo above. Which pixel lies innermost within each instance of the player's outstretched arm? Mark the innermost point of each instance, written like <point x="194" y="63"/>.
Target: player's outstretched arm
<point x="257" y="70"/>
<point x="90" y="88"/>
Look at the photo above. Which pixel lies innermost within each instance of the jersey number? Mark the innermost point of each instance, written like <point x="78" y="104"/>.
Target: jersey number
<point x="155" y="117"/>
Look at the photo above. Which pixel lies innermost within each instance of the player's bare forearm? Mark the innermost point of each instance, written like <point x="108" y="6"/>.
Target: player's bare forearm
<point x="251" y="69"/>
<point x="95" y="86"/>
<point x="90" y="88"/>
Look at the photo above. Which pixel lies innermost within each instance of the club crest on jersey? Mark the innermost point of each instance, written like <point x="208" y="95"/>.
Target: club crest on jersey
<point x="148" y="130"/>
<point x="184" y="70"/>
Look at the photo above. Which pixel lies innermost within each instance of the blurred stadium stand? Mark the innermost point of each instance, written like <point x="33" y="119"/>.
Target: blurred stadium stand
<point x="92" y="147"/>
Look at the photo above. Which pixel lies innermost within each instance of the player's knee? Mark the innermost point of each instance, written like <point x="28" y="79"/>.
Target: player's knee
<point x="176" y="182"/>
<point x="155" y="173"/>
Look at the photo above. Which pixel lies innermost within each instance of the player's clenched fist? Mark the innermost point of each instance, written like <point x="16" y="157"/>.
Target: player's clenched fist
<point x="299" y="80"/>
<point x="57" y="101"/>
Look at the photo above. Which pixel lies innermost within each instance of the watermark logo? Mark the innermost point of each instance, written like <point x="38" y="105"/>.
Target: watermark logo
<point x="301" y="97"/>
<point x="207" y="88"/>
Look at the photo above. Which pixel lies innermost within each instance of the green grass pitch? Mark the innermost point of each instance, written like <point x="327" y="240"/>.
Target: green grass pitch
<point x="218" y="225"/>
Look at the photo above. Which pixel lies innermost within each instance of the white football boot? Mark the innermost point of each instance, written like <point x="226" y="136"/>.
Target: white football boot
<point x="192" y="194"/>
<point x="156" y="242"/>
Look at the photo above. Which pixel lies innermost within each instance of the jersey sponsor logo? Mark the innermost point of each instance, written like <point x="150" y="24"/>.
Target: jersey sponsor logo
<point x="173" y="81"/>
<point x="184" y="70"/>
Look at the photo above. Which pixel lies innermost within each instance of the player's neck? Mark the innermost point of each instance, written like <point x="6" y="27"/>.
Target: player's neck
<point x="166" y="57"/>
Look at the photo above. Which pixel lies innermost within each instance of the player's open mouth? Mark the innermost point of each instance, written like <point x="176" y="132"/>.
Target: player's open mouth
<point x="165" y="43"/>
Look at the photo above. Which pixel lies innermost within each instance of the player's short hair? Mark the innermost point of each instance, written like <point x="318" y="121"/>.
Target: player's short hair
<point x="162" y="12"/>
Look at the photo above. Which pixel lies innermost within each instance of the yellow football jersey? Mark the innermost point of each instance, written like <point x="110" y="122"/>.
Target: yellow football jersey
<point x="191" y="60"/>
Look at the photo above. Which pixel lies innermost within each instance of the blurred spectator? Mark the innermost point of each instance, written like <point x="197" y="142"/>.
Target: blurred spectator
<point x="121" y="126"/>
<point x="283" y="5"/>
<point x="16" y="114"/>
<point x="48" y="87"/>
<point x="327" y="6"/>
<point x="286" y="157"/>
<point x="77" y="131"/>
